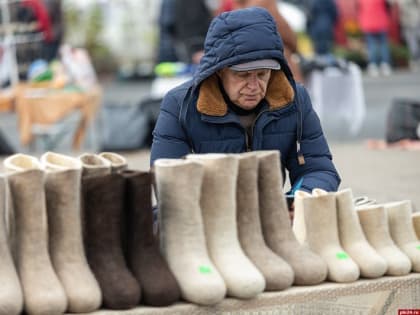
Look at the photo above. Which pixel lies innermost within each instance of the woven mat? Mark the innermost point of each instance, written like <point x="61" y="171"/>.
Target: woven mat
<point x="380" y="296"/>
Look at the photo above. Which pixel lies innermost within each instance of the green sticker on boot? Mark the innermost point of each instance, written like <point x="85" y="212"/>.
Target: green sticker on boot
<point x="342" y="255"/>
<point x="204" y="269"/>
<point x="418" y="247"/>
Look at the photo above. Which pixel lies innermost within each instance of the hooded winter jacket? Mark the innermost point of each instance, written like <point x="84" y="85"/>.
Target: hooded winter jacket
<point x="194" y="118"/>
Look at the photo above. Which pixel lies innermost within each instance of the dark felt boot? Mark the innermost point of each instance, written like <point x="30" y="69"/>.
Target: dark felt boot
<point x="159" y="287"/>
<point x="103" y="206"/>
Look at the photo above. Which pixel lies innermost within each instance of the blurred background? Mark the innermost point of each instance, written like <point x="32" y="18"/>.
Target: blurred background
<point x="89" y="75"/>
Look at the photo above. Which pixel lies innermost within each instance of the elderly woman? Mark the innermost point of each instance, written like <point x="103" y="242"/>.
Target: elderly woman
<point x="243" y="97"/>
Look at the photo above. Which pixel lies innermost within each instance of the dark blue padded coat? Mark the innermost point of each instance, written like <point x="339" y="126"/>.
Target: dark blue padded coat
<point x="194" y="117"/>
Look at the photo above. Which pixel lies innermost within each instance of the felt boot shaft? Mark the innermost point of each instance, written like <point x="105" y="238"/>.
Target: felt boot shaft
<point x="182" y="239"/>
<point x="353" y="240"/>
<point x="308" y="267"/>
<point x="402" y="230"/>
<point x="277" y="273"/>
<point x="158" y="284"/>
<point x="62" y="188"/>
<point x="118" y="162"/>
<point x="374" y="222"/>
<point x="218" y="203"/>
<point x="94" y="164"/>
<point x="320" y="217"/>
<point x="43" y="292"/>
<point x="11" y="298"/>
<point x="103" y="205"/>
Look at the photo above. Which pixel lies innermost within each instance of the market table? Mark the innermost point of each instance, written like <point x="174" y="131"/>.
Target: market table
<point x="44" y="106"/>
<point x="386" y="295"/>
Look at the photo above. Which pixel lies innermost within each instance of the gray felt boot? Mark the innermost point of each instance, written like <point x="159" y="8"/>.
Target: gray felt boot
<point x="42" y="290"/>
<point x="11" y="299"/>
<point x="308" y="267"/>
<point x="402" y="230"/>
<point x="62" y="188"/>
<point x="277" y="273"/>
<point x="374" y="222"/>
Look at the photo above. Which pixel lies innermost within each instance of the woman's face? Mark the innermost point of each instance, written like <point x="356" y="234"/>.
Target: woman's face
<point x="245" y="88"/>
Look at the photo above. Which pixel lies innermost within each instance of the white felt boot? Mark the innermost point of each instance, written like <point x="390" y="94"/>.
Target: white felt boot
<point x="277" y="272"/>
<point x="42" y="290"/>
<point x="354" y="242"/>
<point x="218" y="203"/>
<point x="402" y="230"/>
<point x="182" y="238"/>
<point x="308" y="267"/>
<point x="374" y="222"/>
<point x="62" y="188"/>
<point x="320" y="232"/>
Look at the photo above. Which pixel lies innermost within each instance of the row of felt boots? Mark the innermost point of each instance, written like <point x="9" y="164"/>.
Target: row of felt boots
<point x="225" y="227"/>
<point x="370" y="240"/>
<point x="76" y="234"/>
<point x="227" y="215"/>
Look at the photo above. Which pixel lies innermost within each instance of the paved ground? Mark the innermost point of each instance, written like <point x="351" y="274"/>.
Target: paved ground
<point x="385" y="175"/>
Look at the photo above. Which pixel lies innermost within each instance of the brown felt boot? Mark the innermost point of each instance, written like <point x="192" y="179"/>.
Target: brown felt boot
<point x="402" y="230"/>
<point x="374" y="222"/>
<point x="354" y="242"/>
<point x="321" y="234"/>
<point x="218" y="203"/>
<point x="118" y="162"/>
<point x="93" y="164"/>
<point x="62" y="188"/>
<point x="182" y="239"/>
<point x="158" y="284"/>
<point x="415" y="217"/>
<point x="11" y="299"/>
<point x="103" y="197"/>
<point x="277" y="273"/>
<point x="308" y="267"/>
<point x="42" y="291"/>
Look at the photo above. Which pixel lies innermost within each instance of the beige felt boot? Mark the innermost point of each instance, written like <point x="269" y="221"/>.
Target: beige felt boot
<point x="374" y="222"/>
<point x="62" y="188"/>
<point x="94" y="164"/>
<point x="182" y="238"/>
<point x="308" y="267"/>
<point x="118" y="162"/>
<point x="277" y="273"/>
<point x="402" y="230"/>
<point x="42" y="291"/>
<point x="218" y="203"/>
<point x="11" y="299"/>
<point x="354" y="242"/>
<point x="415" y="217"/>
<point x="321" y="234"/>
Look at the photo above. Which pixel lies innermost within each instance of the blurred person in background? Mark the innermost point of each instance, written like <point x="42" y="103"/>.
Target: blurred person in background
<point x="410" y="24"/>
<point x="52" y="45"/>
<point x="288" y="35"/>
<point x="243" y="98"/>
<point x="374" y="19"/>
<point x="184" y="25"/>
<point x="321" y="21"/>
<point x="166" y="50"/>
